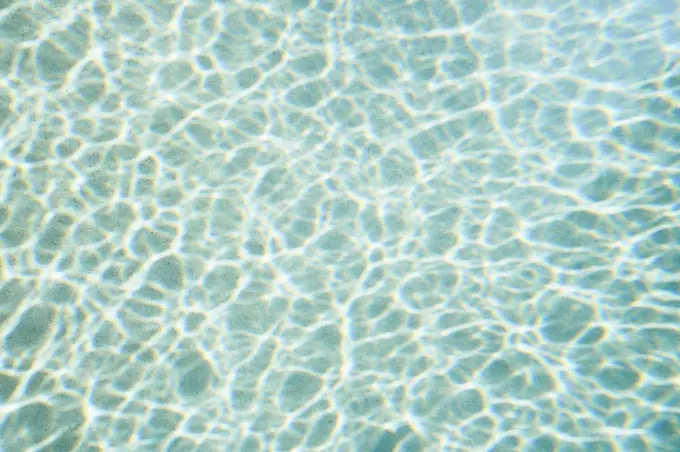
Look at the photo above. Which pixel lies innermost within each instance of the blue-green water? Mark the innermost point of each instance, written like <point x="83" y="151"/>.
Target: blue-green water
<point x="339" y="225"/>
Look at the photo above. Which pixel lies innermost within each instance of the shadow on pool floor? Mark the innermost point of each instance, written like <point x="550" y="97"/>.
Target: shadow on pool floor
<point x="389" y="441"/>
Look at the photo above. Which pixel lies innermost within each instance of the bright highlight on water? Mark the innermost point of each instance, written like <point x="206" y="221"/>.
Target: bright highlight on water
<point x="339" y="225"/>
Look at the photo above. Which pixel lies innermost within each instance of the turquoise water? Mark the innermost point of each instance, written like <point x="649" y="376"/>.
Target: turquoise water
<point x="337" y="225"/>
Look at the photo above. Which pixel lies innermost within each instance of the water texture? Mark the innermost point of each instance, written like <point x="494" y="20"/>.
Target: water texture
<point x="339" y="225"/>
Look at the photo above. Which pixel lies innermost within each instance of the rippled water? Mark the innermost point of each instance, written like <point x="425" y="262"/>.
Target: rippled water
<point x="339" y="225"/>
